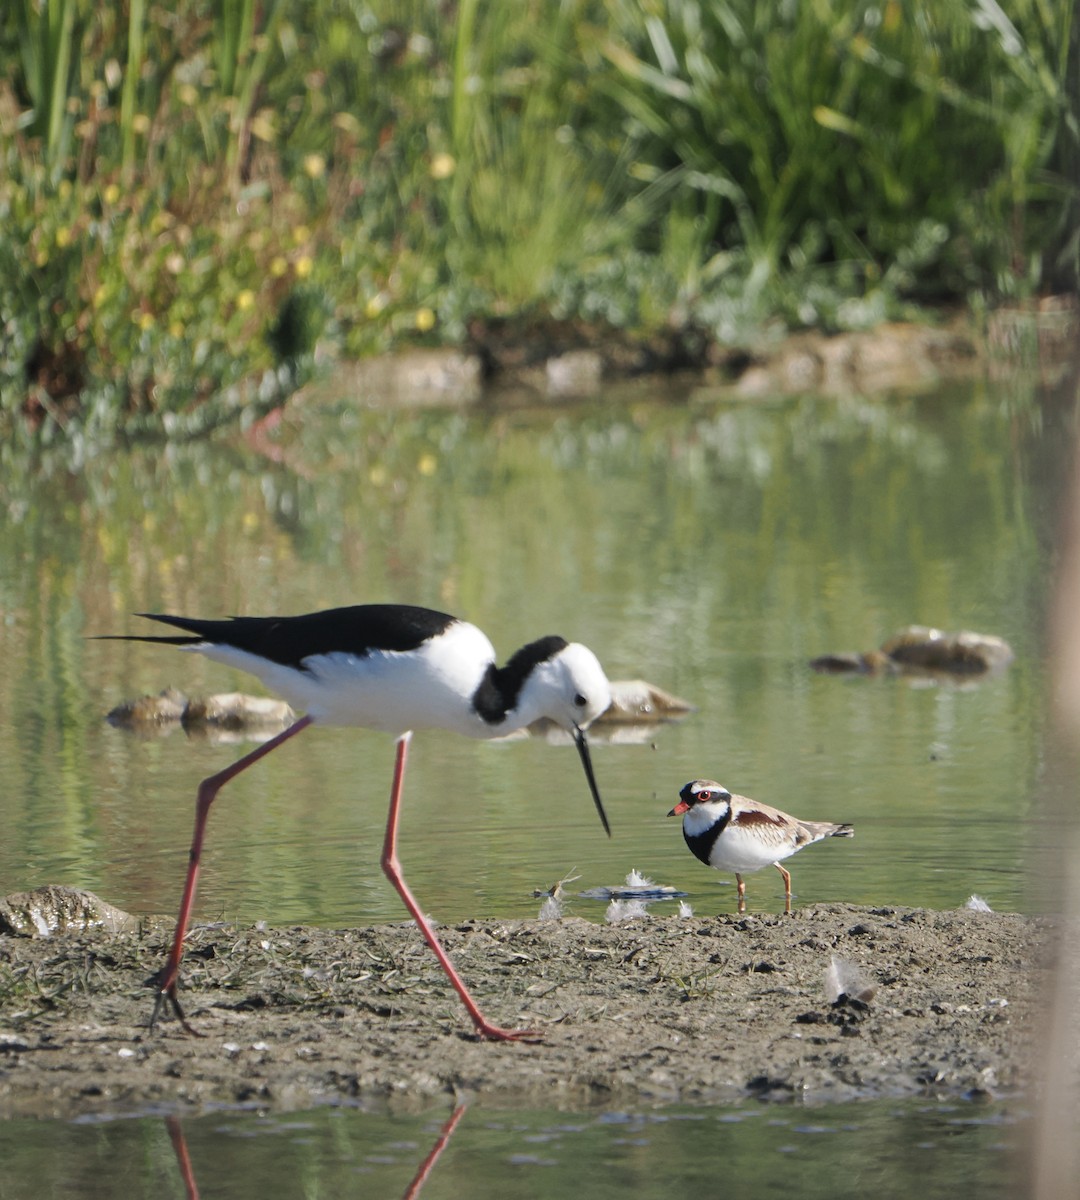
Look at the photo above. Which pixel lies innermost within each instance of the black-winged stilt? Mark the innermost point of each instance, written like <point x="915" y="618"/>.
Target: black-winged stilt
<point x="734" y="833"/>
<point x="395" y="668"/>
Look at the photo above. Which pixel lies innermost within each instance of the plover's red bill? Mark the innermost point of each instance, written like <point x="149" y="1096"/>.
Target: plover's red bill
<point x="734" y="833"/>
<point x="395" y="668"/>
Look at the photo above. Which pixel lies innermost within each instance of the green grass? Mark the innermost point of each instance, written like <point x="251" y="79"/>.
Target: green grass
<point x="192" y="197"/>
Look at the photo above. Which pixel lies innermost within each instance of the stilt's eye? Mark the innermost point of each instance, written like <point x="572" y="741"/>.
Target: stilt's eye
<point x="580" y="701"/>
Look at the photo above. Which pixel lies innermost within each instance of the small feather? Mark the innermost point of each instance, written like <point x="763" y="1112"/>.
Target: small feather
<point x="845" y="979"/>
<point x="625" y="910"/>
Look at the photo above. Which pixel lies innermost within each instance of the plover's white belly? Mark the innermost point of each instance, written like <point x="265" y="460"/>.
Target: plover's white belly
<point x="744" y="851"/>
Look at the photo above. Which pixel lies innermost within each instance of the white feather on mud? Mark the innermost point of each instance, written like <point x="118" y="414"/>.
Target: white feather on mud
<point x="845" y="979"/>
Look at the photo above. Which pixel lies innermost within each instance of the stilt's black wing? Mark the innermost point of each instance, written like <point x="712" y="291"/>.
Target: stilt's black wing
<point x="289" y="640"/>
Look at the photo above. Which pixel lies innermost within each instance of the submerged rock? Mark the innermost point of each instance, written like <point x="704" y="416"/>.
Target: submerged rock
<point x="965" y="652"/>
<point x="636" y="711"/>
<point x="226" y="711"/>
<point x="919" y="649"/>
<point x="165" y="707"/>
<point x="57" y="909"/>
<point x="236" y="710"/>
<point x="635" y="700"/>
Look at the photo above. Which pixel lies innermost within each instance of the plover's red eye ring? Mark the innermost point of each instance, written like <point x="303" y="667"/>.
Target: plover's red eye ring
<point x="705" y="795"/>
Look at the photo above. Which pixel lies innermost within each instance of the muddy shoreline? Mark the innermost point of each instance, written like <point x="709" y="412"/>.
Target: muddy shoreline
<point x="662" y="1010"/>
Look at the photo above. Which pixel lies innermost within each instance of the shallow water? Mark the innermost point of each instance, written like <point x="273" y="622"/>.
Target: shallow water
<point x="709" y="547"/>
<point x="914" y="1149"/>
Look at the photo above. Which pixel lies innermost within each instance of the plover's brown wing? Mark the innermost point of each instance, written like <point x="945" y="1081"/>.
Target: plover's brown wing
<point x="769" y="825"/>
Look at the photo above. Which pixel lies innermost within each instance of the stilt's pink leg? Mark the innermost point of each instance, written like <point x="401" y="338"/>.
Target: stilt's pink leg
<point x="166" y="978"/>
<point x="742" y="893"/>
<point x="183" y="1158"/>
<point x="392" y="867"/>
<point x="426" y="1167"/>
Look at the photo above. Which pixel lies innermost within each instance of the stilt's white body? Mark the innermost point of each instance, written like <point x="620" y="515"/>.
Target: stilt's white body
<point x="430" y="687"/>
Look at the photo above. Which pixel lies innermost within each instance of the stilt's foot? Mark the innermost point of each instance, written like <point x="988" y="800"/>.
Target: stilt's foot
<point x="167" y="994"/>
<point x="495" y="1033"/>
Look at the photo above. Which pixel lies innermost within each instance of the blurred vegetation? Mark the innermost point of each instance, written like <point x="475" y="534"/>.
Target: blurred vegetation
<point x="194" y="196"/>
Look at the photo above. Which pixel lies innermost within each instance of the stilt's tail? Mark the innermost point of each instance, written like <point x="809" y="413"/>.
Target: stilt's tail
<point x="202" y="631"/>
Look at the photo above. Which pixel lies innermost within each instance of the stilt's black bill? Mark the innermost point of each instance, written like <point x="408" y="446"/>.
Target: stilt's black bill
<point x="586" y="762"/>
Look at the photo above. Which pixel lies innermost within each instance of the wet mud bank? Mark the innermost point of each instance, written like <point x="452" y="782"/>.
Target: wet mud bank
<point x="662" y="1010"/>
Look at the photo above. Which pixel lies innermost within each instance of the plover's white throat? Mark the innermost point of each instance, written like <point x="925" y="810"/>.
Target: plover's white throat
<point x="734" y="833"/>
<point x="395" y="668"/>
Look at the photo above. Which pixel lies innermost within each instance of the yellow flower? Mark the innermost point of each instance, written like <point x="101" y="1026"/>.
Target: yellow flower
<point x="278" y="266"/>
<point x="303" y="266"/>
<point x="144" y="320"/>
<point x="314" y="165"/>
<point x="140" y="122"/>
<point x="176" y="328"/>
<point x="245" y="300"/>
<point x="424" y="319"/>
<point x="111" y="194"/>
<point x="427" y="464"/>
<point x="262" y="125"/>
<point x="442" y="166"/>
<point x="101" y="294"/>
<point x="300" y="234"/>
<point x="63" y="236"/>
<point x="375" y="306"/>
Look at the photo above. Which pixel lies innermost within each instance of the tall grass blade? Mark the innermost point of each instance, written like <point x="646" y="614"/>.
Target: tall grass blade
<point x="132" y="73"/>
<point x="235" y="26"/>
<point x="46" y="34"/>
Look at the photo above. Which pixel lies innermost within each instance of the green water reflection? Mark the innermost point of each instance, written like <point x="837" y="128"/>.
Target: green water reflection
<point x="710" y="547"/>
<point x="897" y="1150"/>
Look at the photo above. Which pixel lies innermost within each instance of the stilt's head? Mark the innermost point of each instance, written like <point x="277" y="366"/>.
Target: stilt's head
<point x="570" y="689"/>
<point x="705" y="800"/>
